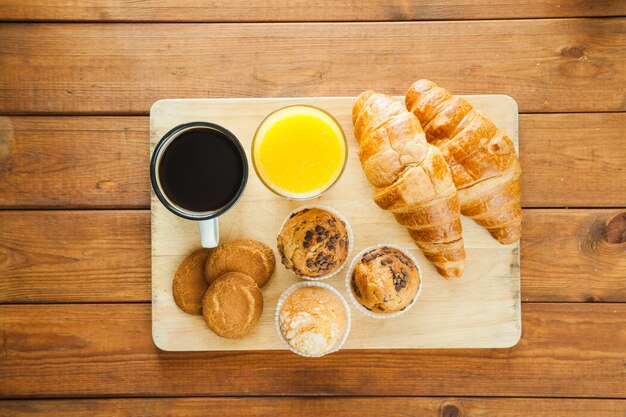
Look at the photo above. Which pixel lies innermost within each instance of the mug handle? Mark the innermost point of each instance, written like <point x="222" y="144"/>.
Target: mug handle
<point x="209" y="233"/>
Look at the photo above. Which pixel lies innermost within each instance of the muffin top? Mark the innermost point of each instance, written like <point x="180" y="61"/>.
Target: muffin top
<point x="312" y="320"/>
<point x="313" y="242"/>
<point x="385" y="280"/>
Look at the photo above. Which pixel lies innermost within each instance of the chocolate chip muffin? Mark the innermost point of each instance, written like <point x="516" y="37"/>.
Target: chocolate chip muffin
<point x="313" y="320"/>
<point x="384" y="280"/>
<point x="314" y="243"/>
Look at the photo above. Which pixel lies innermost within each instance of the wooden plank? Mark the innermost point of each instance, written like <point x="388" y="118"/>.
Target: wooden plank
<point x="51" y="162"/>
<point x="300" y="10"/>
<point x="92" y="350"/>
<point x="447" y="315"/>
<point x="51" y="256"/>
<point x="74" y="162"/>
<point x="315" y="406"/>
<point x="124" y="68"/>
<point x="100" y="256"/>
<point x="563" y="248"/>
<point x="573" y="160"/>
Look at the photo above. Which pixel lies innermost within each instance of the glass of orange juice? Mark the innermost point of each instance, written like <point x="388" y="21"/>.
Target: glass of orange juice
<point x="299" y="151"/>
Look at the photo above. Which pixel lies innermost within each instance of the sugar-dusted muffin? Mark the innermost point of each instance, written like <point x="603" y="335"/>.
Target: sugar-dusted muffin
<point x="248" y="256"/>
<point x="384" y="280"/>
<point x="313" y="320"/>
<point x="232" y="305"/>
<point x="314" y="242"/>
<point x="189" y="285"/>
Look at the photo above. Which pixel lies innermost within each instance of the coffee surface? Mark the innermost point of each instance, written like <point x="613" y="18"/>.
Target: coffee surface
<point x="201" y="170"/>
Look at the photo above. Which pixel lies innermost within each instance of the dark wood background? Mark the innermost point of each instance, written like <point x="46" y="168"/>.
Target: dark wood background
<point x="77" y="79"/>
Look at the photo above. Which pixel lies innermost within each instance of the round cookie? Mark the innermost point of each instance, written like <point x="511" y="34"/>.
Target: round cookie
<point x="232" y="305"/>
<point x="312" y="320"/>
<point x="313" y="243"/>
<point x="247" y="256"/>
<point x="385" y="280"/>
<point x="189" y="284"/>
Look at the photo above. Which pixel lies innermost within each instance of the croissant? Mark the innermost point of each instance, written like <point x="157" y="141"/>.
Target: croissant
<point x="484" y="165"/>
<point x="411" y="177"/>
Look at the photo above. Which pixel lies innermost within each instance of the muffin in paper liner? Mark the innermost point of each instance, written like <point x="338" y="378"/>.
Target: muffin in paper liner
<point x="336" y="293"/>
<point x="350" y="240"/>
<point x="356" y="302"/>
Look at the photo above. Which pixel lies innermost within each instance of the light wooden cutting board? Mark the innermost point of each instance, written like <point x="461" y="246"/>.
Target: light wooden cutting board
<point x="481" y="310"/>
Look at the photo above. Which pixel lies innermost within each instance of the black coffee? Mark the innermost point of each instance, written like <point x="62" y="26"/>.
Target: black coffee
<point x="201" y="170"/>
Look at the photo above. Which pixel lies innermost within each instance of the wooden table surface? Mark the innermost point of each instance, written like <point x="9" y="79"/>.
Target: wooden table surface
<point x="77" y="78"/>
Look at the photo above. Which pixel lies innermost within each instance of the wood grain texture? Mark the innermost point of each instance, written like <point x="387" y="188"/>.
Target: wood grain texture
<point x="573" y="160"/>
<point x="124" y="68"/>
<point x="567" y="350"/>
<point x="49" y="256"/>
<point x="568" y="252"/>
<point x="480" y="310"/>
<point x="314" y="407"/>
<point x="99" y="256"/>
<point x="74" y="162"/>
<point x="51" y="162"/>
<point x="300" y="10"/>
<point x="571" y="65"/>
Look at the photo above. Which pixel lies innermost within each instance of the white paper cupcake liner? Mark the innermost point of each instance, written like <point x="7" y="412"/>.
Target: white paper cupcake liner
<point x="350" y="239"/>
<point x="303" y="284"/>
<point x="356" y="302"/>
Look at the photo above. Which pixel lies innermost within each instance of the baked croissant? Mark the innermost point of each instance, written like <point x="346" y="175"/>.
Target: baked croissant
<point x="484" y="165"/>
<point x="411" y="177"/>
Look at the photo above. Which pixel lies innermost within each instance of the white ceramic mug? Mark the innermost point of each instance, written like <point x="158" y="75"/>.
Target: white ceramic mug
<point x="207" y="218"/>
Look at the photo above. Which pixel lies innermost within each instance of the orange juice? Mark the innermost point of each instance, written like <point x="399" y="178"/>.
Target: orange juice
<point x="299" y="151"/>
